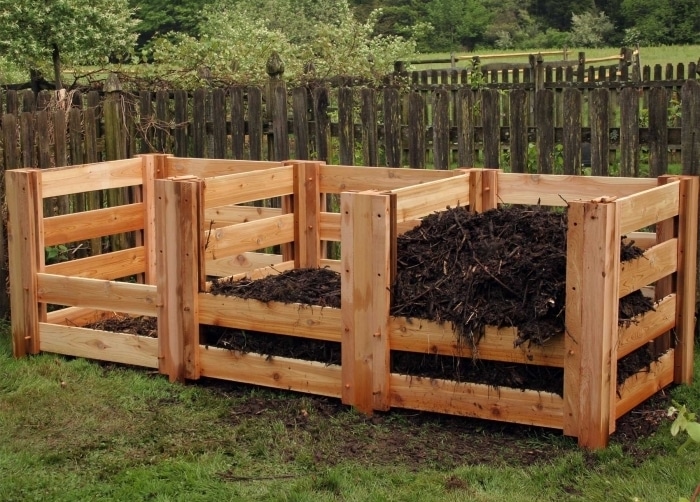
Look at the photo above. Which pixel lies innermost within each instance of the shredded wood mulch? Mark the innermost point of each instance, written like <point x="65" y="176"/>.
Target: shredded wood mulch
<point x="505" y="267"/>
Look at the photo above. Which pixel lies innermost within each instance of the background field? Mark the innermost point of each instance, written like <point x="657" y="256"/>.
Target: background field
<point x="648" y="55"/>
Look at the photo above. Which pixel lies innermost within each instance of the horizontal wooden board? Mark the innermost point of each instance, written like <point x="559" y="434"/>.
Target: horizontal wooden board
<point x="262" y="272"/>
<point x="252" y="236"/>
<point x="76" y="316"/>
<point x="91" y="224"/>
<point x="648" y="207"/>
<point x="640" y="387"/>
<point x="429" y="337"/>
<point x="273" y="317"/>
<point x="230" y="215"/>
<point x="657" y="262"/>
<point x="277" y="372"/>
<point x="478" y="401"/>
<point x="329" y="227"/>
<point x="207" y="168"/>
<point x="107" y="266"/>
<point x="89" y="177"/>
<point x="643" y="240"/>
<point x="424" y="199"/>
<point x="130" y="298"/>
<point x="647" y="326"/>
<point x="557" y="190"/>
<point x="247" y="187"/>
<point x="101" y="345"/>
<point x="336" y="179"/>
<point x="241" y="263"/>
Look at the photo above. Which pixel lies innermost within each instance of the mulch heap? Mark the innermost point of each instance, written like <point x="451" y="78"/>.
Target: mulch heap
<point x="504" y="267"/>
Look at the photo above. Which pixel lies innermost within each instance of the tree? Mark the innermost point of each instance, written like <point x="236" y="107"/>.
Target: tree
<point x="458" y="23"/>
<point x="236" y="38"/>
<point x="60" y="31"/>
<point x="590" y="29"/>
<point x="158" y="17"/>
<point x="664" y="21"/>
<point x="557" y="13"/>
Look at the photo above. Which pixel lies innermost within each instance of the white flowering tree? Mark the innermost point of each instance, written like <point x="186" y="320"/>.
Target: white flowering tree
<point x="46" y="33"/>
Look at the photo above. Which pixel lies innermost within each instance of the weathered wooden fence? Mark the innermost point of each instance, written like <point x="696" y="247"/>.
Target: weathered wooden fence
<point x="624" y="128"/>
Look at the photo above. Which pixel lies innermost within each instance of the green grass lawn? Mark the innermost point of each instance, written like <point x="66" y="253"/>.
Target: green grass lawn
<point x="72" y="429"/>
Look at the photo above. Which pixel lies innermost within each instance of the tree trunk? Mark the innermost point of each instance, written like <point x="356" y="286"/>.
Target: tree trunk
<point x="57" y="67"/>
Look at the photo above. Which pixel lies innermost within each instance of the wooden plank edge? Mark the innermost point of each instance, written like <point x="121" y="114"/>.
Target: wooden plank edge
<point x="527" y="407"/>
<point x="101" y="345"/>
<point x="277" y="372"/>
<point x="77" y="316"/>
<point x="645" y="327"/>
<point x="650" y="206"/>
<point x="291" y="319"/>
<point x="427" y="337"/>
<point x="138" y="299"/>
<point x="656" y="263"/>
<point x="641" y="386"/>
<point x="90" y="177"/>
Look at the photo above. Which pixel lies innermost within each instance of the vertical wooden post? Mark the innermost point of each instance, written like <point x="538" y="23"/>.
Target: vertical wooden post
<point x="590" y="364"/>
<point x="665" y="230"/>
<point x="26" y="257"/>
<point x="307" y="214"/>
<point x="178" y="239"/>
<point x="152" y="168"/>
<point x="686" y="280"/>
<point x="368" y="233"/>
<point x="483" y="189"/>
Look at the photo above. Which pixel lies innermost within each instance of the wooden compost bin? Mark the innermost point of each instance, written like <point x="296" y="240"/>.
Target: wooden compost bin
<point x="196" y="222"/>
<point x="375" y="205"/>
<point x="102" y="285"/>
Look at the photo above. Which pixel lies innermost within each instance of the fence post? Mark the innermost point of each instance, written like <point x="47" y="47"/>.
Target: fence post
<point x="25" y="209"/>
<point x="368" y="243"/>
<point x="590" y="361"/>
<point x="178" y="238"/>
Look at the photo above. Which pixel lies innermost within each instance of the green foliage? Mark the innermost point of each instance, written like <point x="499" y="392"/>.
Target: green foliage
<point x="457" y="23"/>
<point x="236" y="40"/>
<point x="685" y="421"/>
<point x="56" y="254"/>
<point x="37" y="34"/>
<point x="590" y="29"/>
<point x="157" y="17"/>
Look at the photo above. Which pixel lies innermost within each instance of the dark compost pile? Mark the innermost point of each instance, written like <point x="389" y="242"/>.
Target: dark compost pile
<point x="505" y="267"/>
